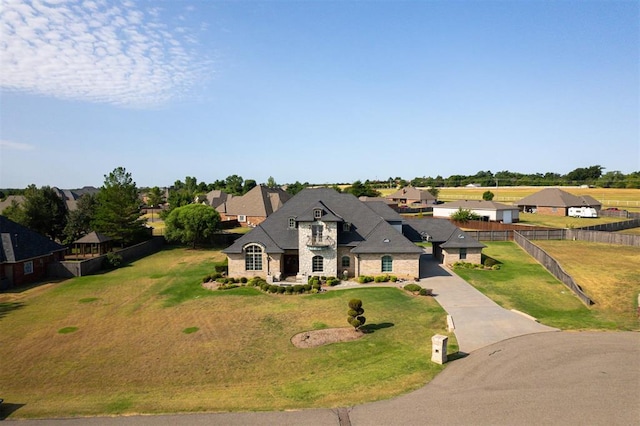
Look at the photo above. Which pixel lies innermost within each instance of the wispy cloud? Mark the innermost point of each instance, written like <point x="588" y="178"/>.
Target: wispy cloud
<point x="98" y="51"/>
<point x="17" y="146"/>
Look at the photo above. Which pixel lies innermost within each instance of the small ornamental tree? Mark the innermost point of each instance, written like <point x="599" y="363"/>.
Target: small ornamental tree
<point x="487" y="195"/>
<point x="355" y="314"/>
<point x="464" y="215"/>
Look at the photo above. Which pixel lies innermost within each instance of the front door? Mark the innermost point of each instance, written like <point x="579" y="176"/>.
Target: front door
<point x="290" y="264"/>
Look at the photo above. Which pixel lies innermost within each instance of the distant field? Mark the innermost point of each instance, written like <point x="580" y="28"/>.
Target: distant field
<point x="609" y="197"/>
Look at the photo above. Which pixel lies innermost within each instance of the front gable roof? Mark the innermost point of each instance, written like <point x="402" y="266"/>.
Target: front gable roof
<point x="261" y="201"/>
<point x="340" y="207"/>
<point x="385" y="239"/>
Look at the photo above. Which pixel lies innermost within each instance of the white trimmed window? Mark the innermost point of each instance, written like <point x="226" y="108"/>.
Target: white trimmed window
<point x="317" y="264"/>
<point x="253" y="258"/>
<point x="387" y="264"/>
<point x="28" y="267"/>
<point x="317" y="213"/>
<point x="292" y="223"/>
<point x="242" y="218"/>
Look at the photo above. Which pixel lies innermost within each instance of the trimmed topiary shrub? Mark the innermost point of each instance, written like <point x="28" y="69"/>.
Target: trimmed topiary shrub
<point x="425" y="292"/>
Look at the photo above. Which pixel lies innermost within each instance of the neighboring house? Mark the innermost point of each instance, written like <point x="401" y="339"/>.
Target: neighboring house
<point x="554" y="201"/>
<point x="214" y="198"/>
<point x="387" y="201"/>
<point x="488" y="210"/>
<point x="25" y="254"/>
<point x="449" y="243"/>
<point x="255" y="206"/>
<point x="412" y="197"/>
<point x="11" y="199"/>
<point x="326" y="233"/>
<point x="70" y="197"/>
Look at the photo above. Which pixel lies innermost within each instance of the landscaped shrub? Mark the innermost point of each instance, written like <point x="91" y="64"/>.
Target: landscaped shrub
<point x="281" y="289"/>
<point x="425" y="292"/>
<point x="298" y="288"/>
<point x="222" y="269"/>
<point x="243" y="280"/>
<point x="331" y="281"/>
<point x="264" y="286"/>
<point x="307" y="287"/>
<point x="393" y="278"/>
<point x="489" y="262"/>
<point x="412" y="287"/>
<point x="316" y="286"/>
<point x="380" y="278"/>
<point x="288" y="290"/>
<point x="113" y="260"/>
<point x="363" y="279"/>
<point x="273" y="288"/>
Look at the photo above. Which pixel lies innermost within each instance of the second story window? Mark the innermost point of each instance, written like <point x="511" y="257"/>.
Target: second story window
<point x="292" y="223"/>
<point x="317" y="213"/>
<point x="346" y="226"/>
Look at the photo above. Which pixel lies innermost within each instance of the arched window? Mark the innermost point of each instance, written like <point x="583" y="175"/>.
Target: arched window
<point x="346" y="261"/>
<point x="253" y="258"/>
<point x="317" y="264"/>
<point x="387" y="264"/>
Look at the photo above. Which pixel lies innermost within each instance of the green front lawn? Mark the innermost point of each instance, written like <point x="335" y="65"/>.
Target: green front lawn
<point x="523" y="284"/>
<point x="147" y="338"/>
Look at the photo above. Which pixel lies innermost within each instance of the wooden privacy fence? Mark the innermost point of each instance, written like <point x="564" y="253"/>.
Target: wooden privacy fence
<point x="552" y="266"/>
<point x="602" y="237"/>
<point x="508" y="235"/>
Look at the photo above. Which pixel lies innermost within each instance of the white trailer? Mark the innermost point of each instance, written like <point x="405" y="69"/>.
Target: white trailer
<point x="582" y="212"/>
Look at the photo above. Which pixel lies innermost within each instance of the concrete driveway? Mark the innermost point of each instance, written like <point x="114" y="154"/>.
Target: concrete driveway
<point x="478" y="320"/>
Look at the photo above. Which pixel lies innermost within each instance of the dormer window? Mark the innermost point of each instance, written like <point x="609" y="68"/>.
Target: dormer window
<point x="292" y="223"/>
<point x="346" y="227"/>
<point x="317" y="213"/>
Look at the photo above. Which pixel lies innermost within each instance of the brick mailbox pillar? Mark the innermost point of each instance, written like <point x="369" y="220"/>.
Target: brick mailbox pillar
<point x="439" y="349"/>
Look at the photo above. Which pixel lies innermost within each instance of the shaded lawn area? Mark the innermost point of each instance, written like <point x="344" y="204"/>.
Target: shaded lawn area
<point x="523" y="284"/>
<point x="147" y="338"/>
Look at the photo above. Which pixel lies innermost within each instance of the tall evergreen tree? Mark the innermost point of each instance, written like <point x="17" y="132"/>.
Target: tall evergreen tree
<point x="80" y="219"/>
<point x="118" y="210"/>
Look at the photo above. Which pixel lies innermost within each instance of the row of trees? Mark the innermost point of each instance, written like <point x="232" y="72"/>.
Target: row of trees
<point x="592" y="175"/>
<point x="113" y="211"/>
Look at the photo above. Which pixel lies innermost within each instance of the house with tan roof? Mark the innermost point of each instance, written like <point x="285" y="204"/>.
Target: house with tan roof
<point x="254" y="207"/>
<point x="412" y="197"/>
<point x="556" y="202"/>
<point x="323" y="232"/>
<point x="488" y="210"/>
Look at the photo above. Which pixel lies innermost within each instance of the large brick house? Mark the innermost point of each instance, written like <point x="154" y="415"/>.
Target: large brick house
<point x="556" y="202"/>
<point x="253" y="207"/>
<point x="323" y="232"/>
<point x="25" y="254"/>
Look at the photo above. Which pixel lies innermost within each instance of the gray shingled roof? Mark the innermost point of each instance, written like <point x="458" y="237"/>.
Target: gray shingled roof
<point x="365" y="223"/>
<point x="555" y="197"/>
<point x="20" y="243"/>
<point x="93" y="238"/>
<point x="439" y="231"/>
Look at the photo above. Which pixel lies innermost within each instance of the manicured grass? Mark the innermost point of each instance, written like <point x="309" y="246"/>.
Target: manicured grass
<point x="564" y="221"/>
<point x="609" y="274"/>
<point x="134" y="350"/>
<point x="523" y="284"/>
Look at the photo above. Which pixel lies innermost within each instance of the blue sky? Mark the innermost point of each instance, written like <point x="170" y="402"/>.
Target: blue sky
<point x="314" y="91"/>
